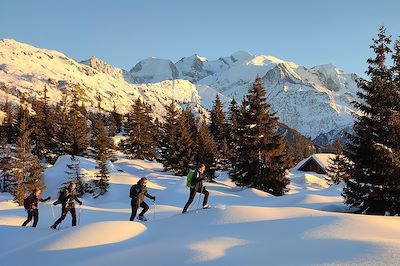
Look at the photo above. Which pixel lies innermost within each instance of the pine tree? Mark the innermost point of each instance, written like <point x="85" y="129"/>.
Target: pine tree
<point x="232" y="135"/>
<point x="26" y="169"/>
<point x="74" y="173"/>
<point x="140" y="130"/>
<point x="262" y="151"/>
<point x="218" y="129"/>
<point x="374" y="147"/>
<point x="101" y="142"/>
<point x="77" y="128"/>
<point x="118" y="118"/>
<point x="61" y="126"/>
<point x="8" y="126"/>
<point x="6" y="169"/>
<point x="177" y="140"/>
<point x="112" y="125"/>
<point x="44" y="128"/>
<point x="184" y="147"/>
<point x="337" y="168"/>
<point x="206" y="150"/>
<point x="102" y="177"/>
<point x="167" y="137"/>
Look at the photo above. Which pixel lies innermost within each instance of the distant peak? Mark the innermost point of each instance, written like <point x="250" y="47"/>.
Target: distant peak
<point x="199" y="57"/>
<point x="242" y="56"/>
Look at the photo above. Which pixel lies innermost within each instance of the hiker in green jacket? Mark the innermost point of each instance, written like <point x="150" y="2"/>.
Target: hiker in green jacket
<point x="197" y="186"/>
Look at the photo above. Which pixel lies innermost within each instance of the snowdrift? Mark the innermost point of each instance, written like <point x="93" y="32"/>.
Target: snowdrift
<point x="308" y="226"/>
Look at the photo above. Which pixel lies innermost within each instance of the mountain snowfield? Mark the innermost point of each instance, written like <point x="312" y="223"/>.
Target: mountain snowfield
<point x="308" y="226"/>
<point x="313" y="101"/>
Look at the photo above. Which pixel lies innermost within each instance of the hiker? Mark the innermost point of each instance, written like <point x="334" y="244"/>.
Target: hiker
<point x="197" y="186"/>
<point x="137" y="194"/>
<point x="67" y="198"/>
<point x="31" y="204"/>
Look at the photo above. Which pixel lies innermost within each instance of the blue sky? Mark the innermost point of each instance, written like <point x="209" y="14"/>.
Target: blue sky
<point x="308" y="32"/>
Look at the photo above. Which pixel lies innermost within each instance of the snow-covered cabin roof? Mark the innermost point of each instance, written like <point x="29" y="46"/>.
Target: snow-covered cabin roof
<point x="319" y="160"/>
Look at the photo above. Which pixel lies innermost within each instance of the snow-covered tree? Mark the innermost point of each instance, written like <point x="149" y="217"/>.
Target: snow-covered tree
<point x="375" y="145"/>
<point x="141" y="132"/>
<point x="337" y="168"/>
<point x="262" y="152"/>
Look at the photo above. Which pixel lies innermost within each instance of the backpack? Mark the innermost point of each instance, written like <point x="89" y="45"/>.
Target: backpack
<point x="189" y="179"/>
<point x="62" y="195"/>
<point x="28" y="201"/>
<point x="132" y="192"/>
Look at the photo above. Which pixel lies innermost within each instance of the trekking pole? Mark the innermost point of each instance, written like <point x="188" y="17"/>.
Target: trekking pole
<point x="79" y="215"/>
<point x="199" y="199"/>
<point x="52" y="210"/>
<point x="154" y="209"/>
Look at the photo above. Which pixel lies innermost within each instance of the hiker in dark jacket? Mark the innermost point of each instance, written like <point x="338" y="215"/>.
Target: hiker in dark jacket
<point x="31" y="204"/>
<point x="137" y="194"/>
<point x="68" y="204"/>
<point x="197" y="186"/>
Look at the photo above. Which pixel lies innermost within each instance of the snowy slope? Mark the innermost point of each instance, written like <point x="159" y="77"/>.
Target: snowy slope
<point x="246" y="226"/>
<point x="24" y="68"/>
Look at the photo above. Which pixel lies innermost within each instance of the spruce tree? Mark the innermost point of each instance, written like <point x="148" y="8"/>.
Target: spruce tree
<point x="61" y="126"/>
<point x="117" y="118"/>
<point x="206" y="151"/>
<point x="167" y="137"/>
<point x="101" y="142"/>
<point x="8" y="126"/>
<point x="262" y="152"/>
<point x="77" y="128"/>
<point x="337" y="168"/>
<point x="184" y="147"/>
<point x="6" y="167"/>
<point x="102" y="177"/>
<point x="373" y="149"/>
<point x="140" y="130"/>
<point x="232" y="135"/>
<point x="177" y="141"/>
<point x="74" y="173"/>
<point x="218" y="129"/>
<point x="27" y="171"/>
<point x="102" y="146"/>
<point x="44" y="128"/>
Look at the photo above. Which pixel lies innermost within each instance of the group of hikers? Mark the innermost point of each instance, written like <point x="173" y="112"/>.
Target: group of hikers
<point x="137" y="193"/>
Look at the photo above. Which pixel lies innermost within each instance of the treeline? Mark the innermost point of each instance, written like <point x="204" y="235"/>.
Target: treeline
<point x="243" y="140"/>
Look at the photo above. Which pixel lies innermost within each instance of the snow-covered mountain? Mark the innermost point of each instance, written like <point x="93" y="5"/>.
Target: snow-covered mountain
<point x="27" y="69"/>
<point x="314" y="101"/>
<point x="153" y="70"/>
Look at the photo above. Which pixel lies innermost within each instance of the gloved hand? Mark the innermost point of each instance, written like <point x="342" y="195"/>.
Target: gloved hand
<point x="154" y="198"/>
<point x="48" y="198"/>
<point x="80" y="203"/>
<point x="55" y="203"/>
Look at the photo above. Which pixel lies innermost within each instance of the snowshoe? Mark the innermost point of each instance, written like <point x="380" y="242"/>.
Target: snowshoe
<point x="142" y="218"/>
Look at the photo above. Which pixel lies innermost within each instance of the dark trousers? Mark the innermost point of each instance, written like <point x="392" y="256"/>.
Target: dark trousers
<point x="32" y="213"/>
<point x="64" y="213"/>
<point x="135" y="207"/>
<point x="193" y="194"/>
